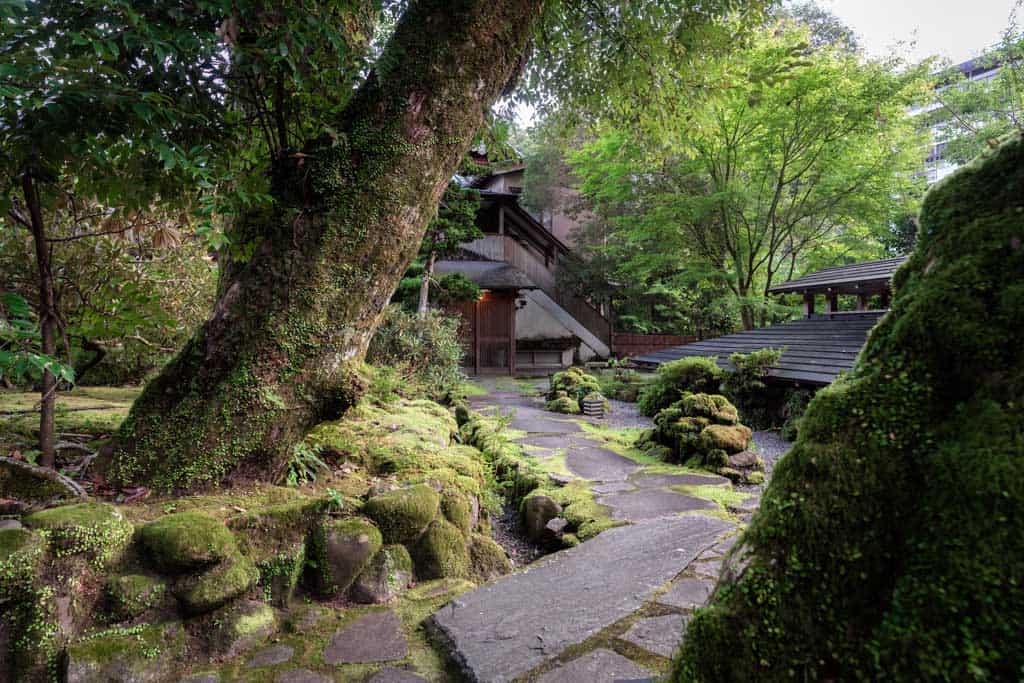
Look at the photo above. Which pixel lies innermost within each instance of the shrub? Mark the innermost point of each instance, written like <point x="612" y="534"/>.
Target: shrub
<point x="702" y="429"/>
<point x="563" y="404"/>
<point x="745" y="386"/>
<point x="424" y="351"/>
<point x="699" y="374"/>
<point x="792" y="410"/>
<point x="574" y="383"/>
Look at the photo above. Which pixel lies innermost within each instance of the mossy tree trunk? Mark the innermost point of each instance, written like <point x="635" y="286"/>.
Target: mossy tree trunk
<point x="291" y="325"/>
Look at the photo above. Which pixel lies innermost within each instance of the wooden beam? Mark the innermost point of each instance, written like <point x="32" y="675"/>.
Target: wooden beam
<point x="862" y="301"/>
<point x="512" y="333"/>
<point x="808" y="304"/>
<point x="832" y="302"/>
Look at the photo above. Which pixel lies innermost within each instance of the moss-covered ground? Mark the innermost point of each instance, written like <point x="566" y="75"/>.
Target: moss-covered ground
<point x="90" y="411"/>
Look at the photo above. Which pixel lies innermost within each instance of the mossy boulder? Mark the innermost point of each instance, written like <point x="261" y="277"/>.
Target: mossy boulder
<point x="95" y="530"/>
<point x="240" y="627"/>
<point x="130" y="595"/>
<point x="33" y="487"/>
<point x="457" y="509"/>
<point x="574" y="384"/>
<point x="697" y="375"/>
<point x="187" y="541"/>
<point x="441" y="552"/>
<point x="888" y="542"/>
<point x="205" y="591"/>
<point x="274" y="539"/>
<point x="140" y="654"/>
<point x="729" y="438"/>
<point x="536" y="510"/>
<point x="342" y="549"/>
<point x="402" y="515"/>
<point x="388" y="574"/>
<point x="487" y="559"/>
<point x="563" y="404"/>
<point x="716" y="408"/>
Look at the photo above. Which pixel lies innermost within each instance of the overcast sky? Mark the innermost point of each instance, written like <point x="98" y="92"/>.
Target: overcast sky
<point x="955" y="29"/>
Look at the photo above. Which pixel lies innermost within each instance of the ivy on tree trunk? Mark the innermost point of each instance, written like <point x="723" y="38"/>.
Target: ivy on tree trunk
<point x="282" y="348"/>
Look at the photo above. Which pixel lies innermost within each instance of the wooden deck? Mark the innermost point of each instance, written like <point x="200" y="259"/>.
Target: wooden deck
<point x="816" y="349"/>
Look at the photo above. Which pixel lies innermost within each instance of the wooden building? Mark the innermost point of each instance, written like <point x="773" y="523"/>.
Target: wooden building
<point x="818" y="346"/>
<point x="525" y="321"/>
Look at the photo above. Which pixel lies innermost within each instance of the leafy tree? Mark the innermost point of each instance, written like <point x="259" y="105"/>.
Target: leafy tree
<point x="973" y="115"/>
<point x="798" y="148"/>
<point x="455" y="224"/>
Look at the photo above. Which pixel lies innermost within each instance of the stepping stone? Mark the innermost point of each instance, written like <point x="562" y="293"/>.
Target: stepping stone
<point x="651" y="503"/>
<point x="660" y="635"/>
<point x="303" y="676"/>
<point x="599" y="666"/>
<point x="599" y="464"/>
<point x="549" y="442"/>
<point x="613" y="487"/>
<point x="534" y="421"/>
<point x="390" y="674"/>
<point x="687" y="593"/>
<point x="279" y="654"/>
<point x="747" y="506"/>
<point x="375" y="637"/>
<point x="662" y="480"/>
<point x="510" y="626"/>
<point x="709" y="568"/>
<point x="725" y="546"/>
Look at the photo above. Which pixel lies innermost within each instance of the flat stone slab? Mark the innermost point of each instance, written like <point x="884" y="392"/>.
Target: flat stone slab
<point x="747" y="506"/>
<point x="390" y="674"/>
<point x="613" y="487"/>
<point x="651" y="503"/>
<point x="709" y="568"/>
<point x="660" y="635"/>
<point x="303" y="676"/>
<point x="536" y="421"/>
<point x="725" y="546"/>
<point x="374" y="637"/>
<point x="599" y="666"/>
<point x="599" y="464"/>
<point x="688" y="593"/>
<point x="509" y="627"/>
<point x="661" y="480"/>
<point x="278" y="654"/>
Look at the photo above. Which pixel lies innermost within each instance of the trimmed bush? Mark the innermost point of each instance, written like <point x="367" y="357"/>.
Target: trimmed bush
<point x="574" y="383"/>
<point x="888" y="543"/>
<point x="703" y="429"/>
<point x="745" y="386"/>
<point x="686" y="375"/>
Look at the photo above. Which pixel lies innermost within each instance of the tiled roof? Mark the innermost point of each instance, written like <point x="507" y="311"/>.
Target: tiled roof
<point x="815" y="350"/>
<point x="867" y="274"/>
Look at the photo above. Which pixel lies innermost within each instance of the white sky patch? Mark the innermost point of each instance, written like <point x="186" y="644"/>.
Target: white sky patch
<point x="954" y="29"/>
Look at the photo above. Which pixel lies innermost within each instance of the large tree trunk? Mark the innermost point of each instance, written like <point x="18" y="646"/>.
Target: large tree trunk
<point x="281" y="348"/>
<point x="47" y="320"/>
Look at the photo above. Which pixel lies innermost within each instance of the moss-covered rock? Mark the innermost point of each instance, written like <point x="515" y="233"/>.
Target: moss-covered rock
<point x="205" y="591"/>
<point x="888" y="542"/>
<point x="587" y="518"/>
<point x="96" y="530"/>
<point x="140" y="654"/>
<point x="402" y="515"/>
<point x="457" y="509"/>
<point x="274" y="539"/>
<point x="21" y="551"/>
<point x="536" y="510"/>
<point x="130" y="595"/>
<point x="342" y="549"/>
<point x="388" y="574"/>
<point x="729" y="438"/>
<point x="35" y="487"/>
<point x="574" y="384"/>
<point x="240" y="627"/>
<point x="563" y="404"/>
<point x="712" y="406"/>
<point x="487" y="559"/>
<point x="441" y="552"/>
<point x="186" y="541"/>
<point x="674" y="379"/>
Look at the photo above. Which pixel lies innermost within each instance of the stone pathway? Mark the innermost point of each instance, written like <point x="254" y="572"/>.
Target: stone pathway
<point x="581" y="614"/>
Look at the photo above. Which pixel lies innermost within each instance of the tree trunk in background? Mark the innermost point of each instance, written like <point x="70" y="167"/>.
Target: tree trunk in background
<point x="47" y="321"/>
<point x="428" y="272"/>
<point x="291" y="326"/>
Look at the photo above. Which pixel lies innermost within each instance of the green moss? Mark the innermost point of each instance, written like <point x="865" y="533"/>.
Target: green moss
<point x="403" y="514"/>
<point x="887" y="545"/>
<point x="95" y="530"/>
<point x="138" y="653"/>
<point x="388" y="574"/>
<point x="187" y="540"/>
<point x="729" y="438"/>
<point x="573" y="384"/>
<point x="130" y="595"/>
<point x="563" y="404"/>
<point x="457" y="509"/>
<point x="206" y="591"/>
<point x="678" y="377"/>
<point x="342" y="549"/>
<point x="487" y="559"/>
<point x="35" y="485"/>
<point x="587" y="518"/>
<point x="441" y="552"/>
<point x="240" y="627"/>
